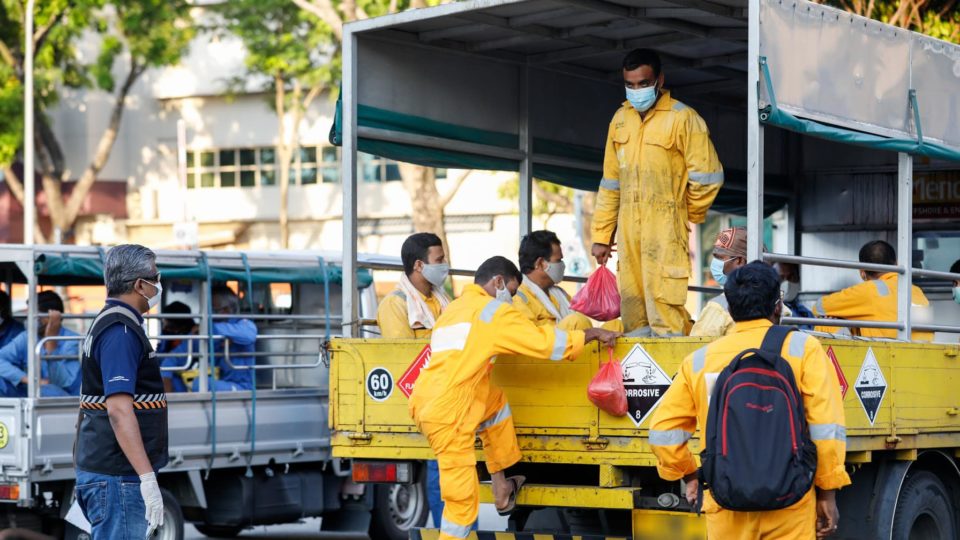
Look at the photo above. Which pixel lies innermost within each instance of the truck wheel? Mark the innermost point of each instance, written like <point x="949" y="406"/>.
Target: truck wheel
<point x="397" y="508"/>
<point x="923" y="510"/>
<point x="172" y="528"/>
<point x="218" y="531"/>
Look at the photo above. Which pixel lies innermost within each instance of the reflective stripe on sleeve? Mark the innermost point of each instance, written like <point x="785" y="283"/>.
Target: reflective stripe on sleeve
<point x="559" y="344"/>
<point x="798" y="341"/>
<point x="699" y="359"/>
<point x="882" y="288"/>
<point x="828" y="432"/>
<point x="818" y="307"/>
<point x="670" y="437"/>
<point x="490" y="310"/>
<point x="707" y="178"/>
<point x="612" y="185"/>
<point x="449" y="338"/>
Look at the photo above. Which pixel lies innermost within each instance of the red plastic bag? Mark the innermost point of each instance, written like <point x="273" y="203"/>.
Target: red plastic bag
<point x="606" y="390"/>
<point x="600" y="298"/>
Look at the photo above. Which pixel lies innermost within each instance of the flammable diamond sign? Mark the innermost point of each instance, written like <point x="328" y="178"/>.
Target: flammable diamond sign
<point x="405" y="382"/>
<point x="844" y="385"/>
<point x="645" y="382"/>
<point x="870" y="386"/>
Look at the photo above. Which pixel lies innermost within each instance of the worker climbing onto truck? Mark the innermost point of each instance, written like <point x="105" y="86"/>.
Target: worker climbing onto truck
<point x="729" y="254"/>
<point x="875" y="299"/>
<point x="539" y="297"/>
<point x="240" y="340"/>
<point x="660" y="173"/>
<point x="753" y="293"/>
<point x="454" y="401"/>
<point x="411" y="310"/>
<point x="59" y="376"/>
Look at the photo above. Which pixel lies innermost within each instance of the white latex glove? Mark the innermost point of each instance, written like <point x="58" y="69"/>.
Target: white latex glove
<point x="153" y="500"/>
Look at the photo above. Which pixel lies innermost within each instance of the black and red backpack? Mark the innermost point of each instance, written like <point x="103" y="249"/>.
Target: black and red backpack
<point x="758" y="454"/>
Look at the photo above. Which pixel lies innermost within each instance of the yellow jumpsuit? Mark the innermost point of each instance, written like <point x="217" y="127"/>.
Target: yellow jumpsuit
<point x="873" y="300"/>
<point x="530" y="305"/>
<point x="392" y="316"/>
<point x="660" y="173"/>
<point x="454" y="400"/>
<point x="714" y="319"/>
<point x="685" y="406"/>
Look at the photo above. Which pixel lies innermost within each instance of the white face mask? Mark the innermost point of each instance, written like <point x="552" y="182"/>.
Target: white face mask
<point x="155" y="299"/>
<point x="503" y="295"/>
<point x="790" y="290"/>
<point x="436" y="274"/>
<point x="555" y="271"/>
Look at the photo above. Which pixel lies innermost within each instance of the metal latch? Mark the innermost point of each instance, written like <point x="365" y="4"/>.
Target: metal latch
<point x="596" y="443"/>
<point x="360" y="437"/>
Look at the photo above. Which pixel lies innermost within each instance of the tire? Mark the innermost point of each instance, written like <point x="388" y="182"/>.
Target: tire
<point x="172" y="528"/>
<point x="218" y="531"/>
<point x="924" y="510"/>
<point x="397" y="508"/>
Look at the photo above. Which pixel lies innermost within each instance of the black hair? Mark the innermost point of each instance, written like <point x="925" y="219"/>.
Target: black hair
<point x="642" y="57"/>
<point x="955" y="268"/>
<point x="180" y="326"/>
<point x="536" y="245"/>
<point x="416" y="248"/>
<point x="752" y="291"/>
<point x="49" y="300"/>
<point x="877" y="252"/>
<point x="226" y="298"/>
<point x="6" y="307"/>
<point x="497" y="266"/>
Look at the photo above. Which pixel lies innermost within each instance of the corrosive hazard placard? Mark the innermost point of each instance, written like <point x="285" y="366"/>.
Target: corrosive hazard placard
<point x="405" y="382"/>
<point x="645" y="382"/>
<point x="871" y="386"/>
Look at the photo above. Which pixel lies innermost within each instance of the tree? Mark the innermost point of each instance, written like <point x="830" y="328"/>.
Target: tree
<point x="143" y="33"/>
<point x="426" y="203"/>
<point x="551" y="199"/>
<point x="297" y="59"/>
<point x="936" y="18"/>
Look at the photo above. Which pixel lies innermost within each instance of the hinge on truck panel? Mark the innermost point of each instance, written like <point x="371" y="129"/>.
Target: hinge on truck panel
<point x="595" y="443"/>
<point x="359" y="437"/>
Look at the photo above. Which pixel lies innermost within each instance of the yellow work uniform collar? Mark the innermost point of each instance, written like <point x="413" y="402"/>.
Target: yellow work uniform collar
<point x="745" y="326"/>
<point x="473" y="288"/>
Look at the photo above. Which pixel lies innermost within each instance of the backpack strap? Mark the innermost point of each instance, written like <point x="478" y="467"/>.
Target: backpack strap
<point x="775" y="338"/>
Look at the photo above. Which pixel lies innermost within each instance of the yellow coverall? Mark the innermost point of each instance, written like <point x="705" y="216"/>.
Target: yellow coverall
<point x="873" y="300"/>
<point x="392" y="316"/>
<point x="660" y="173"/>
<point x="685" y="406"/>
<point x="530" y="305"/>
<point x="454" y="400"/>
<point x="714" y="319"/>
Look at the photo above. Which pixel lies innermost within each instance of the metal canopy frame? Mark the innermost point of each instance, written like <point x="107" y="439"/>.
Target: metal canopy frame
<point x="584" y="39"/>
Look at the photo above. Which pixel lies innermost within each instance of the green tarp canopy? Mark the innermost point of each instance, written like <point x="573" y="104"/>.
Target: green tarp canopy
<point x="83" y="270"/>
<point x="730" y="200"/>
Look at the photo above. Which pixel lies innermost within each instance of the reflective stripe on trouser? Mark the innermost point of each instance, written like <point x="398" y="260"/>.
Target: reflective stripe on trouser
<point x="453" y="446"/>
<point x="797" y="522"/>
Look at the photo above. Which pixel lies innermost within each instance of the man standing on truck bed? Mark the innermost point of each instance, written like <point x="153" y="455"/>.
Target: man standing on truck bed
<point x="454" y="400"/>
<point x="122" y="431"/>
<point x="753" y="293"/>
<point x="660" y="173"/>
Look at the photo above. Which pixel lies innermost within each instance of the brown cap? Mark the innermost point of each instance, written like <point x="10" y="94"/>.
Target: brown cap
<point x="731" y="242"/>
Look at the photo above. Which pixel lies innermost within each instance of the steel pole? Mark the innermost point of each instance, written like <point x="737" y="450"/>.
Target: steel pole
<point x="29" y="190"/>
<point x="754" y="136"/>
<point x="348" y="174"/>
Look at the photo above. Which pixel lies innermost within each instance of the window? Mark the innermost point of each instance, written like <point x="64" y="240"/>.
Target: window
<point x="252" y="167"/>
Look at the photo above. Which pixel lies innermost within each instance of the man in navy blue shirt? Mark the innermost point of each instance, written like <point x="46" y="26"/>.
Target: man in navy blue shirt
<point x="9" y="327"/>
<point x="122" y="433"/>
<point x="242" y="336"/>
<point x="59" y="376"/>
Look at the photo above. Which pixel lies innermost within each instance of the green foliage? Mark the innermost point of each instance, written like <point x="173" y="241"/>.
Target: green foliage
<point x="549" y="198"/>
<point x="936" y="18"/>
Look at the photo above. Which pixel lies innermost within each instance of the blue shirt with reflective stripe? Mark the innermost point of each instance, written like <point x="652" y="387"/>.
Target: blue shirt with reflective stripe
<point x="118" y="351"/>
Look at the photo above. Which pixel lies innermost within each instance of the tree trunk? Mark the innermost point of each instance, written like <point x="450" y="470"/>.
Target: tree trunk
<point x="284" y="153"/>
<point x="104" y="147"/>
<point x="425" y="203"/>
<point x="16" y="188"/>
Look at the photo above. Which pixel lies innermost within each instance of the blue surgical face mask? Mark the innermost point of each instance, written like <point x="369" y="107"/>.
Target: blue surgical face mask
<point x="956" y="294"/>
<point x="716" y="268"/>
<point x="642" y="98"/>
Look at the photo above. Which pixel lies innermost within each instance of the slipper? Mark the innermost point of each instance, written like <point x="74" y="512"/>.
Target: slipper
<point x="518" y="482"/>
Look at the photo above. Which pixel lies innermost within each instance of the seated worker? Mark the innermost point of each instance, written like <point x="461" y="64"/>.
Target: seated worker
<point x="955" y="269"/>
<point x="729" y="253"/>
<point x="411" y="310"/>
<point x="242" y="336"/>
<point x="454" y="400"/>
<point x="790" y="289"/>
<point x="873" y="300"/>
<point x="539" y="297"/>
<point x="754" y="297"/>
<point x="9" y="327"/>
<point x="57" y="377"/>
<point x="173" y="380"/>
